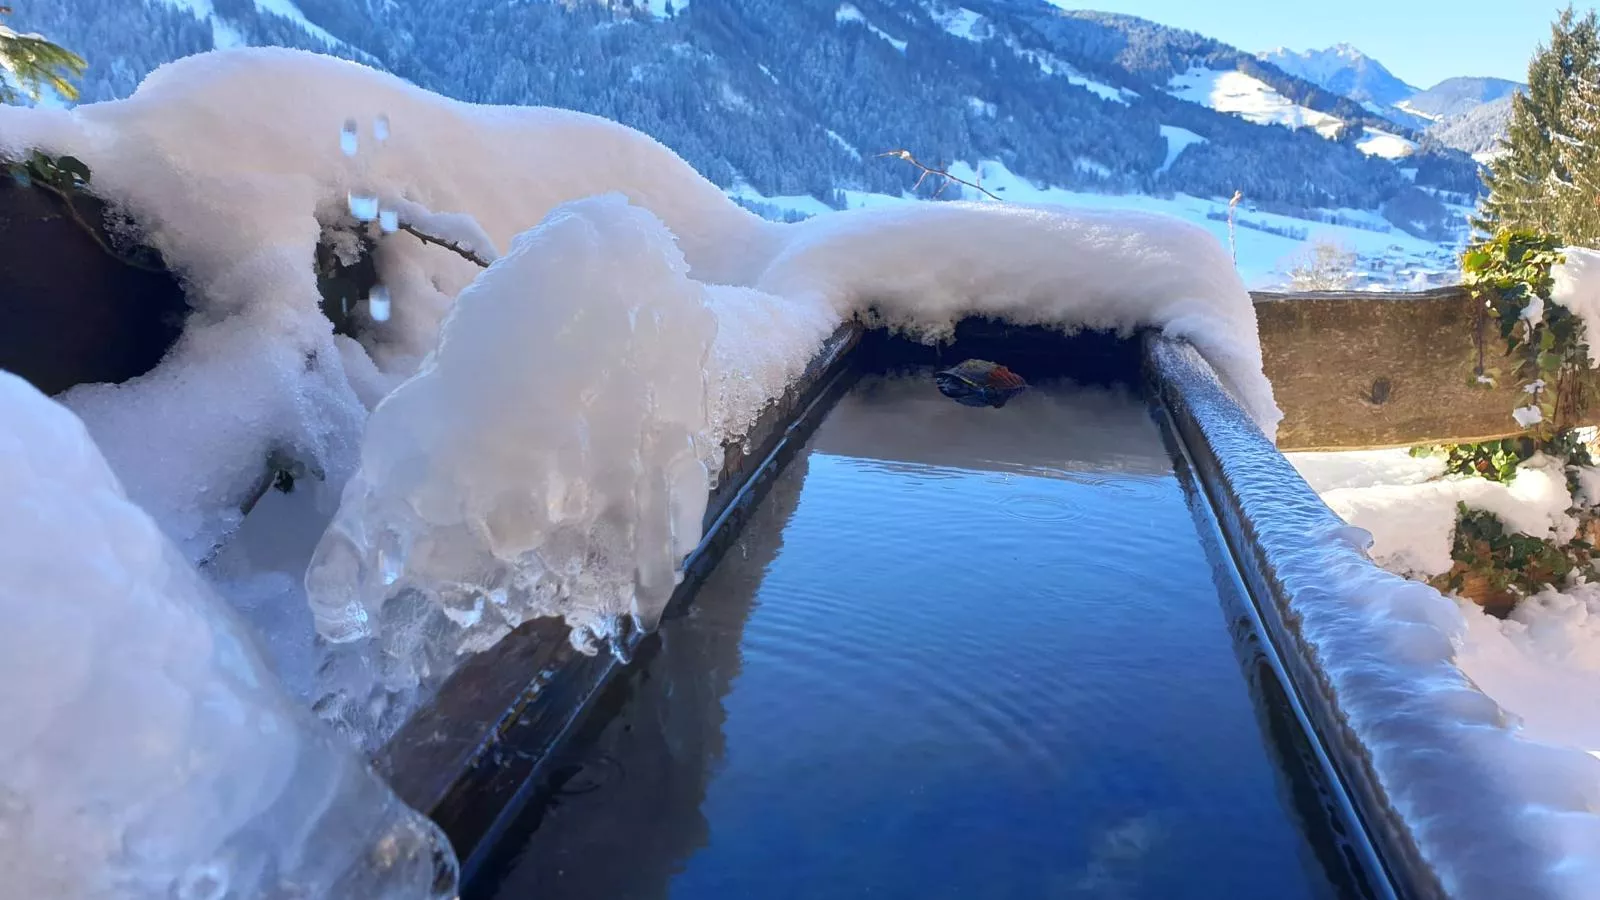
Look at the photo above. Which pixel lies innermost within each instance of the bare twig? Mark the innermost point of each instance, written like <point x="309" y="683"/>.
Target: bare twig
<point x="944" y="174"/>
<point x="83" y="224"/>
<point x="452" y="246"/>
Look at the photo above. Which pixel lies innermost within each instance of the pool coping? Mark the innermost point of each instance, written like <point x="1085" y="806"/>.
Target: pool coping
<point x="1248" y="481"/>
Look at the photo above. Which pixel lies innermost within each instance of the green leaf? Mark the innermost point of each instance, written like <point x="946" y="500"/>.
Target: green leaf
<point x="74" y="167"/>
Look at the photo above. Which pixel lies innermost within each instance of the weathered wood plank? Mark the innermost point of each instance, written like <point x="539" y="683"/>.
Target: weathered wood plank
<point x="1365" y="370"/>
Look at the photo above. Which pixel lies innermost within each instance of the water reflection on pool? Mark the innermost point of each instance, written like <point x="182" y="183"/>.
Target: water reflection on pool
<point x="959" y="652"/>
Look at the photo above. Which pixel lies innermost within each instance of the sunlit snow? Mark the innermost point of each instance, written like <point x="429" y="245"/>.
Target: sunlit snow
<point x="1250" y="99"/>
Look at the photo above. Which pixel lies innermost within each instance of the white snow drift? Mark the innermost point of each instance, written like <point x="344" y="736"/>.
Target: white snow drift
<point x="540" y="463"/>
<point x="147" y="751"/>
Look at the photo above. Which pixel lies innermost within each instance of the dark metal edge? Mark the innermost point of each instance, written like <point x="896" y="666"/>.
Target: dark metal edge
<point x="1216" y="434"/>
<point x="474" y="755"/>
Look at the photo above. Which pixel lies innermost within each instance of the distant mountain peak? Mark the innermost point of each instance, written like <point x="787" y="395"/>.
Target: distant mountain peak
<point x="1343" y="69"/>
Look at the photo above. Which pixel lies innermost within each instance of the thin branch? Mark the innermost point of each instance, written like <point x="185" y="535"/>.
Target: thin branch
<point x="928" y="171"/>
<point x="72" y="210"/>
<point x="452" y="246"/>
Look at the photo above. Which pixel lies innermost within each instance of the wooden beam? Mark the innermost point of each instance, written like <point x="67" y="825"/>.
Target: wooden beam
<point x="1372" y="370"/>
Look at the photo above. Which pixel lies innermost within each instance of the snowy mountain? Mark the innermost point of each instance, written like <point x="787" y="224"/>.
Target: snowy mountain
<point x="1457" y="96"/>
<point x="1478" y="131"/>
<point x="789" y="102"/>
<point x="1466" y="114"/>
<point x="1344" y="70"/>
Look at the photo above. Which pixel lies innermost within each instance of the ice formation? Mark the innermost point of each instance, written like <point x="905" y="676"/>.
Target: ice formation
<point x="147" y="751"/>
<point x="329" y="145"/>
<point x="548" y="459"/>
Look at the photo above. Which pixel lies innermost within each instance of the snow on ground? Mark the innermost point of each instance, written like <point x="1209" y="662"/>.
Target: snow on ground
<point x="1577" y="287"/>
<point x="147" y="752"/>
<point x="1248" y="98"/>
<point x="258" y="373"/>
<point x="665" y="9"/>
<point x="849" y="13"/>
<point x="224" y="35"/>
<point x="961" y="22"/>
<point x="1387" y="258"/>
<point x="1412" y="519"/>
<point x="1381" y="143"/>
<point x="1178" y="140"/>
<point x="1541" y="665"/>
<point x="1405" y="106"/>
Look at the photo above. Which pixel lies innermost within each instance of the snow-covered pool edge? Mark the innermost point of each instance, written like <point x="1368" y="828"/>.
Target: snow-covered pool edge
<point x="1485" y="812"/>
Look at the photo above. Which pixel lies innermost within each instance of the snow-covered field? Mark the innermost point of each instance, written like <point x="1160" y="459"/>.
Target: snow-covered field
<point x="1249" y="98"/>
<point x="1386" y="257"/>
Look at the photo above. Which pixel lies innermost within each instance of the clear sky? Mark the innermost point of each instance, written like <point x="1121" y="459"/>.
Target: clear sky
<point x="1421" y="41"/>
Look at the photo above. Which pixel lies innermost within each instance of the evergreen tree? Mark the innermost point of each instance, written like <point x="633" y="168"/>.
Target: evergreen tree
<point x="1533" y="186"/>
<point x="31" y="62"/>
<point x="1577" y="171"/>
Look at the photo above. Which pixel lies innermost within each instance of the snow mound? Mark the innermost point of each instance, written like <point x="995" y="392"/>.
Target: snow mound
<point x="1577" y="287"/>
<point x="147" y="751"/>
<point x="1447" y="697"/>
<point x="549" y="459"/>
<point x="542" y="460"/>
<point x="1413" y="525"/>
<point x="930" y="265"/>
<point x="1542" y="663"/>
<point x="238" y="208"/>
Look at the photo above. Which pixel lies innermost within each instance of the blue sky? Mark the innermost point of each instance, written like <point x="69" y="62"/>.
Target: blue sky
<point x="1421" y="41"/>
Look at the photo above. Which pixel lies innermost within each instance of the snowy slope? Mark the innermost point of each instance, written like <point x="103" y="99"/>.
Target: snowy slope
<point x="225" y="35"/>
<point x="1250" y="99"/>
<point x="1387" y="258"/>
<point x="1381" y="143"/>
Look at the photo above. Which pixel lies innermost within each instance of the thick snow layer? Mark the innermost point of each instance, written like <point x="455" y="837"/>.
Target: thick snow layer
<point x="1412" y="524"/>
<point x="551" y="457"/>
<point x="1249" y="98"/>
<point x="1326" y="471"/>
<point x="1577" y="287"/>
<point x="1178" y="140"/>
<point x="1543" y="664"/>
<point x="147" y="750"/>
<point x="1381" y="143"/>
<point x="1540" y="667"/>
<point x="239" y="208"/>
<point x="1033" y="265"/>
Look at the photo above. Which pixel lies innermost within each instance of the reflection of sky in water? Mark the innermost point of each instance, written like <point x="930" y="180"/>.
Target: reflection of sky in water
<point x="947" y="677"/>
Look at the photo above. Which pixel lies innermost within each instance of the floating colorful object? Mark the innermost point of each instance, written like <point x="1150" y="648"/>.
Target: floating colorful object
<point x="978" y="382"/>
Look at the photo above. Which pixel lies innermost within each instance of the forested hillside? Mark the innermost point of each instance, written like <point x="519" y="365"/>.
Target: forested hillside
<point x="793" y="97"/>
